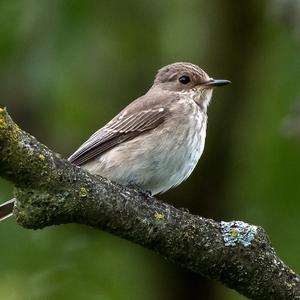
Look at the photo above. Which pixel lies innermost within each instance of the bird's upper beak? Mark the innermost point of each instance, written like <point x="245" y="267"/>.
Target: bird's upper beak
<point x="216" y="82"/>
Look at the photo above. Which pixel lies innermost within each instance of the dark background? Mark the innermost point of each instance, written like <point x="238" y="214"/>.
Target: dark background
<point x="66" y="67"/>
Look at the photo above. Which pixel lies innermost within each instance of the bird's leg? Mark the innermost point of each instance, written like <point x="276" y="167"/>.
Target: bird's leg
<point x="134" y="186"/>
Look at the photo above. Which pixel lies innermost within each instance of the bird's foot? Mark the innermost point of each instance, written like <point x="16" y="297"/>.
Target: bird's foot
<point x="139" y="189"/>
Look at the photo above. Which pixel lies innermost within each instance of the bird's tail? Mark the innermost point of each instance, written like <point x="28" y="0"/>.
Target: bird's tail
<point x="6" y="209"/>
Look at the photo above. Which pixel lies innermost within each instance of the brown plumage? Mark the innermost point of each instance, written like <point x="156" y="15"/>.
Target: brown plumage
<point x="157" y="140"/>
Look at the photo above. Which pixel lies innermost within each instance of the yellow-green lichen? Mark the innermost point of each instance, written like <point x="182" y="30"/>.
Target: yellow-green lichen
<point x="42" y="157"/>
<point x="83" y="192"/>
<point x="289" y="285"/>
<point x="15" y="132"/>
<point x="159" y="216"/>
<point x="292" y="272"/>
<point x="2" y="121"/>
<point x="233" y="232"/>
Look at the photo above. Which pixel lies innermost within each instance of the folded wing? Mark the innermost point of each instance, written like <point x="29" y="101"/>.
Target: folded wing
<point x="122" y="128"/>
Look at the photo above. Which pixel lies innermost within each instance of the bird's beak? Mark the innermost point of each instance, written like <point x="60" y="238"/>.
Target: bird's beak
<point x="216" y="82"/>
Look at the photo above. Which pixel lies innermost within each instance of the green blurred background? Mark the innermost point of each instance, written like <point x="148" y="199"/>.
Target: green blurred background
<point x="66" y="67"/>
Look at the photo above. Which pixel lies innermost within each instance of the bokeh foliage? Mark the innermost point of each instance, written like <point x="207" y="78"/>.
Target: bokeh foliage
<point x="66" y="67"/>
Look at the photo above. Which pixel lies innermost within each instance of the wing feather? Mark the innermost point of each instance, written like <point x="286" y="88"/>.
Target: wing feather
<point x="120" y="129"/>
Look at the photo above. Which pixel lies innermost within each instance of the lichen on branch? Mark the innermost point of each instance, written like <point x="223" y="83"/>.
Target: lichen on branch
<point x="50" y="190"/>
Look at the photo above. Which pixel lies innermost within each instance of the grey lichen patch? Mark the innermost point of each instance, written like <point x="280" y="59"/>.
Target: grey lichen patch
<point x="238" y="232"/>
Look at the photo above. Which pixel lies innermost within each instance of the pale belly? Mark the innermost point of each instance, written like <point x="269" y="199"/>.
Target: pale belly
<point x="157" y="160"/>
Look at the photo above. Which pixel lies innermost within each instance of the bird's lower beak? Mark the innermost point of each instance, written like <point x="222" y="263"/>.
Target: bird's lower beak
<point x="216" y="82"/>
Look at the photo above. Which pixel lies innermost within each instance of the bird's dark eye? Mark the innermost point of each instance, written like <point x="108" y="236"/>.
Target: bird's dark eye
<point x="184" y="79"/>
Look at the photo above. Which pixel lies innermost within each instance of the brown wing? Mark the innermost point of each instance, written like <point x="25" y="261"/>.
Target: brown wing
<point x="122" y="128"/>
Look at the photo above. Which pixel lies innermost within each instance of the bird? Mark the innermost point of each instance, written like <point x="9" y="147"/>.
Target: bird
<point x="157" y="140"/>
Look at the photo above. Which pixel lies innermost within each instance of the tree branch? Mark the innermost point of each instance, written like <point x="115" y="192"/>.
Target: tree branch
<point x="50" y="190"/>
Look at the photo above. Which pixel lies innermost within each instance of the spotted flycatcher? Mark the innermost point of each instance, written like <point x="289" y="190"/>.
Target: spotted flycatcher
<point x="156" y="141"/>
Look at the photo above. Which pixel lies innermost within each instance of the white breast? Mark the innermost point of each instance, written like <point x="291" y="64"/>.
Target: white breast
<point x="186" y="156"/>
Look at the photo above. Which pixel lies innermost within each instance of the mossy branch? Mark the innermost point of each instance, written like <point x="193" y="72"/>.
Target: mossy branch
<point x="50" y="190"/>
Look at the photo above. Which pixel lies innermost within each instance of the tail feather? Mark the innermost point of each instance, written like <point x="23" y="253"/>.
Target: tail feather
<point x="6" y="209"/>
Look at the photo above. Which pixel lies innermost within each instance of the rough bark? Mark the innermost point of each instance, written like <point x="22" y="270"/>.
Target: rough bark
<point x="51" y="191"/>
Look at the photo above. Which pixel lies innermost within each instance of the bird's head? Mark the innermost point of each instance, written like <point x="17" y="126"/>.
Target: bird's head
<point x="189" y="79"/>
